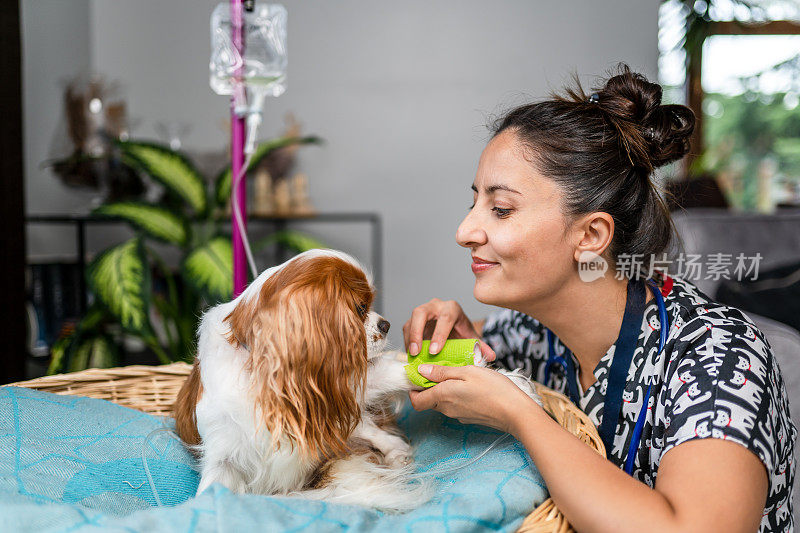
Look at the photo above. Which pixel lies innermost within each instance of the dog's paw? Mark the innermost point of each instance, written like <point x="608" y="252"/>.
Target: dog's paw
<point x="399" y="457"/>
<point x="396" y="355"/>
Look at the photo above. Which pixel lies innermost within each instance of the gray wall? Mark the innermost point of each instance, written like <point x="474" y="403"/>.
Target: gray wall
<point x="400" y="91"/>
<point x="55" y="46"/>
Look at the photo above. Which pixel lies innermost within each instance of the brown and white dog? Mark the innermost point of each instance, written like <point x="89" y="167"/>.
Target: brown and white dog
<point x="289" y="393"/>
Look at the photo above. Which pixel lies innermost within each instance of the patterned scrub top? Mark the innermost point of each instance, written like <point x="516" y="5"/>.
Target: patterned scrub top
<point x="716" y="377"/>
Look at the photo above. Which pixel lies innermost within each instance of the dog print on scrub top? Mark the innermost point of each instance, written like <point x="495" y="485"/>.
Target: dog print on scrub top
<point x="716" y="378"/>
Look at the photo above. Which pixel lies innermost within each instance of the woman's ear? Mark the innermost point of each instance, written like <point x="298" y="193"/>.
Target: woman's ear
<point x="308" y="364"/>
<point x="594" y="233"/>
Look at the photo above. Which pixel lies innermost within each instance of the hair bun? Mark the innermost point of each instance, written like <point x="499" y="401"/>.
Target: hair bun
<point x="652" y="134"/>
<point x="670" y="128"/>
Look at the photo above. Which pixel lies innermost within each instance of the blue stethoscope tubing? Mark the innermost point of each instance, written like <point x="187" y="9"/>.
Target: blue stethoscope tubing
<point x="569" y="367"/>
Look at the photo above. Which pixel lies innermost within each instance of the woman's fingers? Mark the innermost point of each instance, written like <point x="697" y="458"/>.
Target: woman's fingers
<point x="415" y="327"/>
<point x="441" y="320"/>
<point x="424" y="399"/>
<point x="432" y="396"/>
<point x="420" y="317"/>
<point x="440" y="373"/>
<point x="445" y="320"/>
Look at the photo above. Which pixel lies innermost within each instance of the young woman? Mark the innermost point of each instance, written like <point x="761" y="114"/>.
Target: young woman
<point x="562" y="189"/>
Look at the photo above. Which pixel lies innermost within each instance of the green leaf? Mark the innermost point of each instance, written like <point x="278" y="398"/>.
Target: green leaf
<point x="120" y="278"/>
<point x="62" y="350"/>
<point x="171" y="169"/>
<point x="104" y="353"/>
<point x="93" y="317"/>
<point x="80" y="358"/>
<point x="156" y="221"/>
<point x="209" y="268"/>
<point x="59" y="352"/>
<point x="222" y="185"/>
<point x="294" y="240"/>
<point x="93" y="352"/>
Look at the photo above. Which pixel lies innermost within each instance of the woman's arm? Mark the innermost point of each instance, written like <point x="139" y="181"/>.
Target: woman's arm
<point x="707" y="485"/>
<point x="703" y="485"/>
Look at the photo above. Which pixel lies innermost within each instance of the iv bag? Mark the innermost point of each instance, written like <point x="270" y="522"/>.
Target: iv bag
<point x="264" y="64"/>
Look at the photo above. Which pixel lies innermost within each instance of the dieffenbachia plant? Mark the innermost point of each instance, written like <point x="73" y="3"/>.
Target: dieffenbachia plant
<point x="189" y="218"/>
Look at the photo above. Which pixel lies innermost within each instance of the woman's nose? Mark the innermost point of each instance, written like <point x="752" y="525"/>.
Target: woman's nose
<point x="469" y="233"/>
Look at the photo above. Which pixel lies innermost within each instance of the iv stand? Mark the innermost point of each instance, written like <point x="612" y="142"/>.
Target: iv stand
<point x="237" y="153"/>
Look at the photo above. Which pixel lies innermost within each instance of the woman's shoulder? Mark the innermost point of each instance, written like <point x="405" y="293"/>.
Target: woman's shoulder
<point x="722" y="380"/>
<point x="695" y="316"/>
<point x="716" y="345"/>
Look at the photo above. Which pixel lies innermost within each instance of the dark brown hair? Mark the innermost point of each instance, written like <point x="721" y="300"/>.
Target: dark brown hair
<point x="602" y="149"/>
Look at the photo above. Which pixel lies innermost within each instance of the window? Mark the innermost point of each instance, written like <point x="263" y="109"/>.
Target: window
<point x="737" y="68"/>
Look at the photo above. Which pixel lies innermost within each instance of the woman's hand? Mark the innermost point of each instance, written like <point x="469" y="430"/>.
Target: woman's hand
<point x="474" y="395"/>
<point x="441" y="321"/>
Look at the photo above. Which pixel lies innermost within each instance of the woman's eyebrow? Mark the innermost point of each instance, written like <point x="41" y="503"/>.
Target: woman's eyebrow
<point x="492" y="188"/>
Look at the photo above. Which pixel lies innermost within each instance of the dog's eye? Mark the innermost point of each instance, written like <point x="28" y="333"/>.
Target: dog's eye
<point x="362" y="310"/>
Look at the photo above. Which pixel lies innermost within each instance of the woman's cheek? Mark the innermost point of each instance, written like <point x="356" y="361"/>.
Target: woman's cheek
<point x="510" y="242"/>
<point x="519" y="250"/>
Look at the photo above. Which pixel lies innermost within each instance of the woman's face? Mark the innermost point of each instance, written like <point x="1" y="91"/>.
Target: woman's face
<point x="515" y="230"/>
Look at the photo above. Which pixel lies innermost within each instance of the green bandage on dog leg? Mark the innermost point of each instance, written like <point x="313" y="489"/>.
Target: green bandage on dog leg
<point x="455" y="352"/>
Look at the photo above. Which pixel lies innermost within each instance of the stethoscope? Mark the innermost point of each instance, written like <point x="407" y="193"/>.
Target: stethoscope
<point x="625" y="346"/>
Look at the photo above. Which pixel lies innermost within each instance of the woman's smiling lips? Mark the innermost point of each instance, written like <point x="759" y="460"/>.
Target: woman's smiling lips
<point x="481" y="265"/>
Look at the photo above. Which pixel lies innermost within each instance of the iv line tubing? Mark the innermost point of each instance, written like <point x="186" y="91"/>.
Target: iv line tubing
<point x="419" y="475"/>
<point x="237" y="212"/>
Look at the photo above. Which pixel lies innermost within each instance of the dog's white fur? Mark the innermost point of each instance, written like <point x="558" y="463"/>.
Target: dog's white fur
<point x="235" y="452"/>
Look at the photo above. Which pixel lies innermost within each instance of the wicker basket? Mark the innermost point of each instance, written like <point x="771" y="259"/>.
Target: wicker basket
<point x="153" y="389"/>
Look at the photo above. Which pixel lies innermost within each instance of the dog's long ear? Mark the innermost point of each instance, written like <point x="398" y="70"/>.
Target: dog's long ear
<point x="184" y="407"/>
<point x="308" y="352"/>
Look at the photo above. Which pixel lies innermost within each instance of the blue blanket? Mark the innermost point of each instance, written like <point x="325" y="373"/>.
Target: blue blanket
<point x="70" y="463"/>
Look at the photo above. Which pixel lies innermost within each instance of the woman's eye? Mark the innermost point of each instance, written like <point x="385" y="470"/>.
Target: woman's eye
<point x="502" y="213"/>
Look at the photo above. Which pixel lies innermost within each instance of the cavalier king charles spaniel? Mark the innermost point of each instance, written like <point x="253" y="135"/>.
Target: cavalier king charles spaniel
<point x="291" y="394"/>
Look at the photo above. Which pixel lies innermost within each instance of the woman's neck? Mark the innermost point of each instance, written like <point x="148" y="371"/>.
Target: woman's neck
<point x="587" y="318"/>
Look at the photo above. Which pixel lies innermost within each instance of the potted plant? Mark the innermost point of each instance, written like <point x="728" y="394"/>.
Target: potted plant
<point x="189" y="217"/>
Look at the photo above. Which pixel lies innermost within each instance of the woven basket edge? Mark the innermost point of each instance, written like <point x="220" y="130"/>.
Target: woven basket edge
<point x="101" y="374"/>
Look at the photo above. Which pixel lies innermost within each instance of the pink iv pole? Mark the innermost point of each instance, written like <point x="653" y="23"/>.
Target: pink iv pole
<point x="237" y="153"/>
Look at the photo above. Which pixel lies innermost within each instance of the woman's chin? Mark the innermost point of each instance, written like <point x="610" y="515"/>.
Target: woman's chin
<point x="484" y="294"/>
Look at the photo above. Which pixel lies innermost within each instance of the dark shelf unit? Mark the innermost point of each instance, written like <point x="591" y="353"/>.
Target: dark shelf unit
<point x="279" y="223"/>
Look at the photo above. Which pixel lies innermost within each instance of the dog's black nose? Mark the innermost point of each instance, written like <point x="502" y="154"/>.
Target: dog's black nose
<point x="383" y="325"/>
